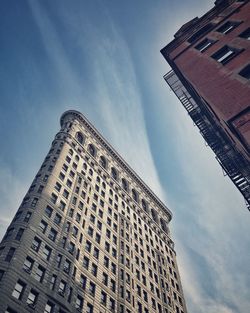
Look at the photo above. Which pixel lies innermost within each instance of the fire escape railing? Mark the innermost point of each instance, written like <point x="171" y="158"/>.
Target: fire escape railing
<point x="231" y="160"/>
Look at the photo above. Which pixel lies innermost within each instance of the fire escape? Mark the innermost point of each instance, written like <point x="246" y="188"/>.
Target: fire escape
<point x="231" y="160"/>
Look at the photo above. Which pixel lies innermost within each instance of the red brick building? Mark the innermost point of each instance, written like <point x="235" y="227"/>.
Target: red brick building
<point x="210" y="61"/>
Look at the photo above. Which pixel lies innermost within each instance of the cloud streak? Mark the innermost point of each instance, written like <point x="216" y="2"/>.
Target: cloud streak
<point x="114" y="100"/>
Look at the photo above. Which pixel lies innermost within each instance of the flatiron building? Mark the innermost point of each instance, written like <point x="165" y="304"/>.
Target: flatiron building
<point x="89" y="235"/>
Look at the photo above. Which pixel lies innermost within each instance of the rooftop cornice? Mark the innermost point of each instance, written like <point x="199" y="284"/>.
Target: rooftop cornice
<point x="197" y="23"/>
<point x="81" y="118"/>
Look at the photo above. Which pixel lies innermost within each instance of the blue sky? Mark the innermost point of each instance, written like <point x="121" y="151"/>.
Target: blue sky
<point x="102" y="57"/>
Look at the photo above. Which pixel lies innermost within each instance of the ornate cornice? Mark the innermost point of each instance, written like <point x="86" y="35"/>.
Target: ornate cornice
<point x="82" y="119"/>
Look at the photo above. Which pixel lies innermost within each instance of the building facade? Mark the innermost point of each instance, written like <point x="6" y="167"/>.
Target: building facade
<point x="89" y="236"/>
<point x="210" y="61"/>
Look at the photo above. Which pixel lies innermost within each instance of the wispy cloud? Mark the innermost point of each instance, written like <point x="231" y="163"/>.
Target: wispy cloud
<point x="114" y="100"/>
<point x="120" y="106"/>
<point x="66" y="79"/>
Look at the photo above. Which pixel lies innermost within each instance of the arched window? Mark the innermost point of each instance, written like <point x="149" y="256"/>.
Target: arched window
<point x="85" y="166"/>
<point x="114" y="173"/>
<point x="103" y="185"/>
<point x="77" y="158"/>
<point x="103" y="161"/>
<point x="98" y="179"/>
<point x="124" y="184"/>
<point x="92" y="150"/>
<point x="155" y="215"/>
<point x="135" y="195"/>
<point x="79" y="137"/>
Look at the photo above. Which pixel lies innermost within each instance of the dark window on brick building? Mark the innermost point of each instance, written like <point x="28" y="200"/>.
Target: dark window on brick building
<point x="204" y="44"/>
<point x="245" y="34"/>
<point x="245" y="72"/>
<point x="225" y="54"/>
<point x="228" y="27"/>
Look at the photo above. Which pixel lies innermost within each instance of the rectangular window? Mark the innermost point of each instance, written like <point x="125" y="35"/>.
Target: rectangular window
<point x="71" y="248"/>
<point x="96" y="253"/>
<point x="32" y="298"/>
<point x="245" y="34"/>
<point x="27" y="217"/>
<point x="34" y="202"/>
<point x="40" y="272"/>
<point x="112" y="304"/>
<point x="48" y="211"/>
<point x="106" y="261"/>
<point x="62" y="206"/>
<point x="65" y="193"/>
<point x="97" y="238"/>
<point x="65" y="167"/>
<point x="113" y="285"/>
<point x="94" y="269"/>
<point x="58" y="219"/>
<point x="52" y="234"/>
<point x="10" y="254"/>
<point x="88" y="246"/>
<point x="92" y="288"/>
<point x="85" y="263"/>
<point x="40" y="189"/>
<point x="83" y="281"/>
<point x="67" y="265"/>
<point x="103" y="298"/>
<point x="245" y="72"/>
<point x="36" y="244"/>
<point x="62" y="288"/>
<point x="107" y="246"/>
<point x="75" y="231"/>
<point x="58" y="186"/>
<point x="28" y="264"/>
<point x="90" y="308"/>
<point x="49" y="308"/>
<point x="61" y="176"/>
<point x="43" y="226"/>
<point x="204" y="44"/>
<point x="228" y="27"/>
<point x="47" y="252"/>
<point x="225" y="54"/>
<point x="79" y="303"/>
<point x="113" y="268"/>
<point x="19" y="290"/>
<point x="53" y="198"/>
<point x="19" y="234"/>
<point x="53" y="282"/>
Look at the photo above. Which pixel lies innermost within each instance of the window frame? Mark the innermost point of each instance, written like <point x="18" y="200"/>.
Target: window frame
<point x="221" y="56"/>
<point x="231" y="26"/>
<point x="205" y="44"/>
